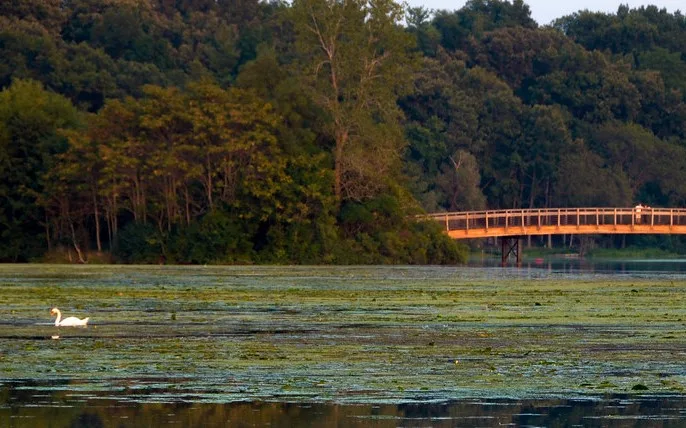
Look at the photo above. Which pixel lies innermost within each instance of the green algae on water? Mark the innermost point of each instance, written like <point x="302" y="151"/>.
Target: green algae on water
<point x="344" y="333"/>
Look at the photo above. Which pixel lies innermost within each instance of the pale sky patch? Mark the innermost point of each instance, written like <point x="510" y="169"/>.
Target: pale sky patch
<point x="545" y="11"/>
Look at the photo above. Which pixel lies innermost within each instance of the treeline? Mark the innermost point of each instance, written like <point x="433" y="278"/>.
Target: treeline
<point x="205" y="131"/>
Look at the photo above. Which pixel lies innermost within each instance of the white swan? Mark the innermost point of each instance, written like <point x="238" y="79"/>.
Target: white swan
<point x="67" y="322"/>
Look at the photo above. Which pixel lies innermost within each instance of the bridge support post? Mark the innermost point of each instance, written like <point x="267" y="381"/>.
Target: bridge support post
<point x="510" y="247"/>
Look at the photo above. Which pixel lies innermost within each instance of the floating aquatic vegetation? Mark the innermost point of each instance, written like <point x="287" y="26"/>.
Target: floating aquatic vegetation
<point x="343" y="334"/>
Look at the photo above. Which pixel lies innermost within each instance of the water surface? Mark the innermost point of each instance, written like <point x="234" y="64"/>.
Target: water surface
<point x="362" y="344"/>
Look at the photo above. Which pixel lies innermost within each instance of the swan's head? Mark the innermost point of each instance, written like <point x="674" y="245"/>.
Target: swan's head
<point x="54" y="311"/>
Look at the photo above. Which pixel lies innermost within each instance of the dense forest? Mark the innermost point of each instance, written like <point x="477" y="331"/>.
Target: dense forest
<point x="314" y="131"/>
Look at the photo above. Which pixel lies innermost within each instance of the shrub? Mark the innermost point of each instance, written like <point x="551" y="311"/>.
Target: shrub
<point x="218" y="237"/>
<point x="139" y="243"/>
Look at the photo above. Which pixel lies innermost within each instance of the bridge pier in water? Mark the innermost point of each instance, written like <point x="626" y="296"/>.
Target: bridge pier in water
<point x="511" y="246"/>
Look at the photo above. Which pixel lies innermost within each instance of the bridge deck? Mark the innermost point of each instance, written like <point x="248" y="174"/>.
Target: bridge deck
<point x="588" y="221"/>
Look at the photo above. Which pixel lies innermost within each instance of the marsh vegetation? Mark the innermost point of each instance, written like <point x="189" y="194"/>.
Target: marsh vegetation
<point x="344" y="334"/>
<point x="368" y="346"/>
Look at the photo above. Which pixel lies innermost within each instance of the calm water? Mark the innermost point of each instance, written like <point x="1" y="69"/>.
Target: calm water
<point x="356" y="346"/>
<point x="28" y="405"/>
<point x="578" y="266"/>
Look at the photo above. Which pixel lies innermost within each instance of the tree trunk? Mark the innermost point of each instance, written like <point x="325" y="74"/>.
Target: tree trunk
<point x="208" y="171"/>
<point x="144" y="204"/>
<point x="47" y="232"/>
<point x="112" y="220"/>
<point x="108" y="221"/>
<point x="531" y="200"/>
<point x="75" y="242"/>
<point x="170" y="207"/>
<point x="341" y="140"/>
<point x="532" y="197"/>
<point x="115" y="225"/>
<point x="547" y="193"/>
<point x="135" y="202"/>
<point x="188" y="205"/>
<point x="96" y="214"/>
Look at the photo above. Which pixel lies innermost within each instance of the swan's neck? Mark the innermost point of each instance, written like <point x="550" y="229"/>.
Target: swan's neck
<point x="59" y="317"/>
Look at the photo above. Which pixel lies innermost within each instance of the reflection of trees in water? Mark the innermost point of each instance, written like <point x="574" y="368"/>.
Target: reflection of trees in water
<point x="99" y="414"/>
<point x="87" y="420"/>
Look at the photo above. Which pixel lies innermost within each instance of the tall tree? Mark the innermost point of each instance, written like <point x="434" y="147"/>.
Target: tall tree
<point x="460" y="181"/>
<point x="30" y="140"/>
<point x="639" y="154"/>
<point x="478" y="17"/>
<point x="79" y="168"/>
<point x="585" y="180"/>
<point x="419" y="24"/>
<point x="357" y="62"/>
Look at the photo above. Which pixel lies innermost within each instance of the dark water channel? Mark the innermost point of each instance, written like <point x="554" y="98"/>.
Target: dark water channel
<point x="26" y="404"/>
<point x="555" y="343"/>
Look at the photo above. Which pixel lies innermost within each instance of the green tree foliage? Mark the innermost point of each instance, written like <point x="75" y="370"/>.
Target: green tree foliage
<point x="585" y="180"/>
<point x="207" y="131"/>
<point x="92" y="51"/>
<point x="427" y="35"/>
<point x="642" y="157"/>
<point x="629" y="30"/>
<point x="46" y="13"/>
<point x="652" y="38"/>
<point x="173" y="157"/>
<point x="356" y="62"/>
<point x="671" y="66"/>
<point x="460" y="182"/>
<point x="30" y="142"/>
<point x="478" y="17"/>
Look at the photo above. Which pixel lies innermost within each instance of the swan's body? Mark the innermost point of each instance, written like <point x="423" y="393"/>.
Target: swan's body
<point x="68" y="322"/>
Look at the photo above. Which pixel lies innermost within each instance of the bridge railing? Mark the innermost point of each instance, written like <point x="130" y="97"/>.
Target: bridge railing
<point x="527" y="218"/>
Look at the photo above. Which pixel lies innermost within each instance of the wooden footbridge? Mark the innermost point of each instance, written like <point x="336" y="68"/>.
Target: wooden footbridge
<point x="512" y="225"/>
